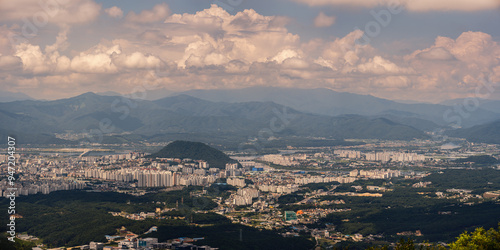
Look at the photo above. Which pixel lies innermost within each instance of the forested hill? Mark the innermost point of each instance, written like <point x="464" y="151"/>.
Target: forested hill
<point x="195" y="151"/>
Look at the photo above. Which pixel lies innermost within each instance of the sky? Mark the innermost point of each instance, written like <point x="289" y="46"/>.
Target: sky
<point x="420" y="50"/>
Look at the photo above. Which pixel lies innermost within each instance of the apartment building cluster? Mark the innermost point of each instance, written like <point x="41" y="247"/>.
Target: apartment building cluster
<point x="43" y="187"/>
<point x="153" y="177"/>
<point x="375" y="174"/>
<point x="380" y="156"/>
<point x="280" y="189"/>
<point x="244" y="196"/>
<point x="324" y="179"/>
<point x="351" y="154"/>
<point x="237" y="182"/>
<point x="394" y="156"/>
<point x="284" y="160"/>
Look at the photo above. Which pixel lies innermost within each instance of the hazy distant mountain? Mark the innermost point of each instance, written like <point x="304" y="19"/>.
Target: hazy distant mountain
<point x="409" y="120"/>
<point x="328" y="102"/>
<point x="108" y="93"/>
<point x="6" y="96"/>
<point x="186" y="115"/>
<point x="71" y="114"/>
<point x="26" y="137"/>
<point x="257" y="115"/>
<point x="485" y="104"/>
<point x="488" y="133"/>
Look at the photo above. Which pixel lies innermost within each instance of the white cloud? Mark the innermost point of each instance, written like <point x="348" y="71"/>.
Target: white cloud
<point x="393" y="82"/>
<point x="61" y="43"/>
<point x="357" y="3"/>
<point x="236" y="66"/>
<point x="322" y="20"/>
<point x="153" y="36"/>
<point x="215" y="49"/>
<point x="38" y="13"/>
<point x="435" y="54"/>
<point x="452" y="5"/>
<point x="411" y="5"/>
<point x="285" y="54"/>
<point x="96" y="60"/>
<point x="114" y="12"/>
<point x="157" y="14"/>
<point x="344" y="52"/>
<point x="455" y="66"/>
<point x="214" y="37"/>
<point x="93" y="63"/>
<point x="470" y="48"/>
<point x="136" y="60"/>
<point x="295" y="63"/>
<point x="6" y="35"/>
<point x="379" y="65"/>
<point x="33" y="59"/>
<point x="10" y="63"/>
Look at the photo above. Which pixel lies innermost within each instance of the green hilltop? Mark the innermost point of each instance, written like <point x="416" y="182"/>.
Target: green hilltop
<point x="195" y="151"/>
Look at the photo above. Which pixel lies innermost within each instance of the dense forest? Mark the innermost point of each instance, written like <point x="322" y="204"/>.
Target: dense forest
<point x="70" y="218"/>
<point x="406" y="208"/>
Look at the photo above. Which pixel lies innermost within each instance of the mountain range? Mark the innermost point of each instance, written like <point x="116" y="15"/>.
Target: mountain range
<point x="487" y="133"/>
<point x="231" y="116"/>
<point x="7" y="96"/>
<point x="332" y="103"/>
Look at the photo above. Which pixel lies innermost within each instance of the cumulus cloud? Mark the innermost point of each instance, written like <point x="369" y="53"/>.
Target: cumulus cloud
<point x="285" y="54"/>
<point x="39" y="13"/>
<point x="100" y="59"/>
<point x="216" y="37"/>
<point x="323" y="20"/>
<point x="456" y="65"/>
<point x="114" y="12"/>
<point x="438" y="53"/>
<point x="452" y="5"/>
<point x="33" y="59"/>
<point x="295" y="63"/>
<point x="343" y="53"/>
<point x="99" y="62"/>
<point x="474" y="49"/>
<point x="136" y="60"/>
<point x="9" y="62"/>
<point x="358" y="3"/>
<point x="61" y="43"/>
<point x="111" y="59"/>
<point x="379" y="65"/>
<point x="410" y="5"/>
<point x="392" y="82"/>
<point x="236" y="66"/>
<point x="157" y="14"/>
<point x="6" y="35"/>
<point x="153" y="36"/>
<point x="216" y="49"/>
